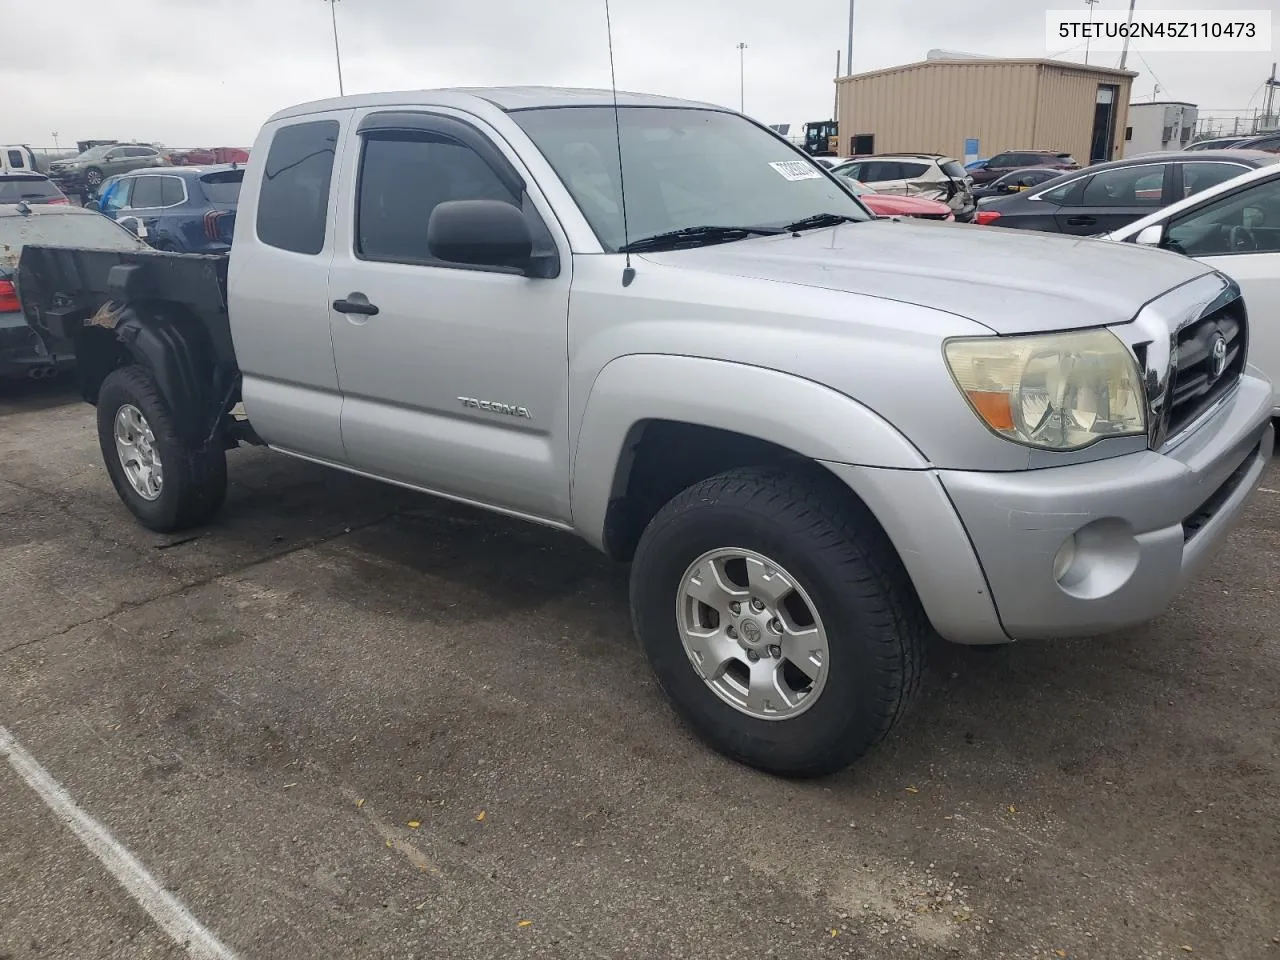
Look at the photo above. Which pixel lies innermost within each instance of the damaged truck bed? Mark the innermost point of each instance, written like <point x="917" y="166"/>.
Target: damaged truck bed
<point x="104" y="305"/>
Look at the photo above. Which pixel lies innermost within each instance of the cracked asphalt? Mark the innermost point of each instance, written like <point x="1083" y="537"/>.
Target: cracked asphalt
<point x="263" y="711"/>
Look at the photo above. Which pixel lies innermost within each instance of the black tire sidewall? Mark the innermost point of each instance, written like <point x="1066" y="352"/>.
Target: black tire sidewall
<point x="180" y="494"/>
<point x="841" y="724"/>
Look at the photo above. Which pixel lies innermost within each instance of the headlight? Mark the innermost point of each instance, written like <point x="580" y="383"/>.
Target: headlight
<point x="1059" y="391"/>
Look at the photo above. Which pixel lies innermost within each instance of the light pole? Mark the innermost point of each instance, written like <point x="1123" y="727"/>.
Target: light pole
<point x="848" y="56"/>
<point x="1092" y="4"/>
<point x="337" y="54"/>
<point x="55" y="140"/>
<point x="742" y="78"/>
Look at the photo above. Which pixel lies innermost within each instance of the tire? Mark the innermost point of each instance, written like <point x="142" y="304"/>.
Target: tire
<point x="193" y="482"/>
<point x="93" y="178"/>
<point x="833" y="549"/>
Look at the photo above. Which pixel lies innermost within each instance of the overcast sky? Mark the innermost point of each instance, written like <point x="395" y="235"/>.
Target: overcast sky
<point x="207" y="72"/>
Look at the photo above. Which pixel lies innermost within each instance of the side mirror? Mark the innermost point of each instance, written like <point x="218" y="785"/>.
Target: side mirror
<point x="1151" y="236"/>
<point x="93" y="205"/>
<point x="481" y="232"/>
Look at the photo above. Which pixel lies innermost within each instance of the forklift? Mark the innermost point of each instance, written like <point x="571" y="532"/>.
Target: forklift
<point x="822" y="138"/>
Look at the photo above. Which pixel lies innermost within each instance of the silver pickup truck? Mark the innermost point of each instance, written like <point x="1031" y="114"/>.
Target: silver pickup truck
<point x="819" y="437"/>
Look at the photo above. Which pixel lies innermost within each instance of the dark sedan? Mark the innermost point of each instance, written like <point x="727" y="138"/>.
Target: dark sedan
<point x="1107" y="196"/>
<point x="1011" y="160"/>
<point x="183" y="209"/>
<point x="1015" y="181"/>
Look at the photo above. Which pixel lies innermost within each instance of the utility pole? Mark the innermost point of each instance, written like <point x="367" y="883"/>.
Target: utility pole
<point x="55" y="139"/>
<point x="337" y="54"/>
<point x="835" y="107"/>
<point x="742" y="78"/>
<point x="848" y="57"/>
<point x="1092" y="4"/>
<point x="1124" y="51"/>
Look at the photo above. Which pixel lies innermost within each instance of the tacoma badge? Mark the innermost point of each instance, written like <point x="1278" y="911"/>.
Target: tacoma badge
<point x="509" y="409"/>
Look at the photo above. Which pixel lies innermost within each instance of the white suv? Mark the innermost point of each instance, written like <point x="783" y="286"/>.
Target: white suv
<point x="929" y="175"/>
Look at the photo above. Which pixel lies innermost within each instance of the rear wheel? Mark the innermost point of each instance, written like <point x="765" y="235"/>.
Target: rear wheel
<point x="93" y="178"/>
<point x="166" y="483"/>
<point x="778" y="619"/>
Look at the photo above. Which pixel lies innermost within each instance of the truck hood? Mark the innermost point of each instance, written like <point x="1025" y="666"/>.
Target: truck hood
<point x="1011" y="281"/>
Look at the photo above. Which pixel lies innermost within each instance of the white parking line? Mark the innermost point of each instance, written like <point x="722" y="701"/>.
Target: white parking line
<point x="164" y="908"/>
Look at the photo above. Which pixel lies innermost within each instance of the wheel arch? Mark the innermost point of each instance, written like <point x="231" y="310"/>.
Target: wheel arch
<point x="171" y="343"/>
<point x="655" y="424"/>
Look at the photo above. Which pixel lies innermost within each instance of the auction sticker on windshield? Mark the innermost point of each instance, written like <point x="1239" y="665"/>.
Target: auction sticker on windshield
<point x="796" y="169"/>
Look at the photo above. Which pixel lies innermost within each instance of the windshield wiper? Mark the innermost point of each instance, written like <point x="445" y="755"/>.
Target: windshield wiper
<point x="821" y="220"/>
<point x="695" y="237"/>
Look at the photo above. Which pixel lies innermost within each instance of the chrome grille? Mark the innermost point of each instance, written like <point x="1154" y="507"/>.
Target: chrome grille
<point x="1198" y="377"/>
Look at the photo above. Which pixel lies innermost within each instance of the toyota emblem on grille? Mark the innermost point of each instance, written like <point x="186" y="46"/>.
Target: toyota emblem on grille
<point x="1218" y="355"/>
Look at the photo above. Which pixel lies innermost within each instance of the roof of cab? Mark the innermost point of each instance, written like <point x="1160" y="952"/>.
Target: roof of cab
<point x="507" y="99"/>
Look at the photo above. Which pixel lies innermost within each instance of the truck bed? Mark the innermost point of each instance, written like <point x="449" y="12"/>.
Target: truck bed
<point x="63" y="288"/>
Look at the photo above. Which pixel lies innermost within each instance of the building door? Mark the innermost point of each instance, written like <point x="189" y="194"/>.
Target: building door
<point x="1104" y="123"/>
<point x="862" y="144"/>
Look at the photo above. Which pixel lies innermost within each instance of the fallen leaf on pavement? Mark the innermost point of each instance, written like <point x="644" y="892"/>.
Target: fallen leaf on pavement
<point x="835" y="932"/>
<point x="360" y="803"/>
<point x="480" y="816"/>
<point x="525" y="923"/>
<point x="1012" y="808"/>
<point x="1059" y="953"/>
<point x="912" y="790"/>
<point x="1187" y="948"/>
<point x="414" y="824"/>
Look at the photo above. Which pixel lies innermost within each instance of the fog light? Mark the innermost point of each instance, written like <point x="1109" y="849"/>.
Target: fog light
<point x="1066" y="556"/>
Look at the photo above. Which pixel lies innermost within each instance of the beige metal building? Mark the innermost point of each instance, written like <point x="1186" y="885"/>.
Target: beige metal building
<point x="936" y="105"/>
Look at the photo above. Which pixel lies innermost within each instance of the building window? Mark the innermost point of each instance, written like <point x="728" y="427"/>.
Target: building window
<point x="1128" y="133"/>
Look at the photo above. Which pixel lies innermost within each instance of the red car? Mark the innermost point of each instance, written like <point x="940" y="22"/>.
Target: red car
<point x="889" y="205"/>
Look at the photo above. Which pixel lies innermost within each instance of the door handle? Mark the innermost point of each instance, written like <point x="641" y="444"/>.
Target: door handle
<point x="1081" y="221"/>
<point x="356" y="303"/>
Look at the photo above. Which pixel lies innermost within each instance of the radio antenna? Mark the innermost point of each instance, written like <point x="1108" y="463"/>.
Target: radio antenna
<point x="628" y="271"/>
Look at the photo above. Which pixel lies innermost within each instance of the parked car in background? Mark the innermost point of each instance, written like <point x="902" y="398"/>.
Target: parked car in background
<point x="932" y="176"/>
<point x="208" y="156"/>
<point x="85" y="173"/>
<point x="23" y="351"/>
<point x="831" y="162"/>
<point x="1015" y="181"/>
<point x="973" y="165"/>
<point x="17" y="158"/>
<point x="29" y="187"/>
<point x="1011" y="160"/>
<point x="1107" y="196"/>
<point x="1269" y="142"/>
<point x="889" y="205"/>
<point x="1215" y="143"/>
<point x="185" y="209"/>
<point x="1233" y="227"/>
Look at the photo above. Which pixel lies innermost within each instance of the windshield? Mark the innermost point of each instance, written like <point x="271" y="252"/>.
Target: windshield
<point x="94" y="153"/>
<point x="72" y="228"/>
<point x="684" y="168"/>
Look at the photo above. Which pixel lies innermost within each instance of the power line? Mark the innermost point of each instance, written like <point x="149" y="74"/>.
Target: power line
<point x="1160" y="83"/>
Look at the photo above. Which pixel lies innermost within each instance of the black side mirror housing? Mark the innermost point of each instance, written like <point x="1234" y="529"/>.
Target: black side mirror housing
<point x="487" y="233"/>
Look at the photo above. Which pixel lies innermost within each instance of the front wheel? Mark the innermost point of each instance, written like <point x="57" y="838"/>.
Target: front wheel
<point x="93" y="178"/>
<point x="778" y="619"/>
<point x="166" y="482"/>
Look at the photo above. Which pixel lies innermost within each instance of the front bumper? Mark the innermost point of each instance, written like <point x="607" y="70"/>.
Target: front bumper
<point x="981" y="547"/>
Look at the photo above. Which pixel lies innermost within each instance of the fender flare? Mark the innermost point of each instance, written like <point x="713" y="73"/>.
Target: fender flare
<point x="808" y="418"/>
<point x="179" y="356"/>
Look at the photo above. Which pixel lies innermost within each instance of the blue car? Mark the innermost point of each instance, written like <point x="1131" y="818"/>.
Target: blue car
<point x="183" y="209"/>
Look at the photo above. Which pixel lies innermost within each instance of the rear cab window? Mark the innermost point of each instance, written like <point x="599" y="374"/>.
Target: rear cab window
<point x="293" y="201"/>
<point x="953" y="169"/>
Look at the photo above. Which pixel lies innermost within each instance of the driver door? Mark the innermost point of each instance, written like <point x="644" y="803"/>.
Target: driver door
<point x="1239" y="234"/>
